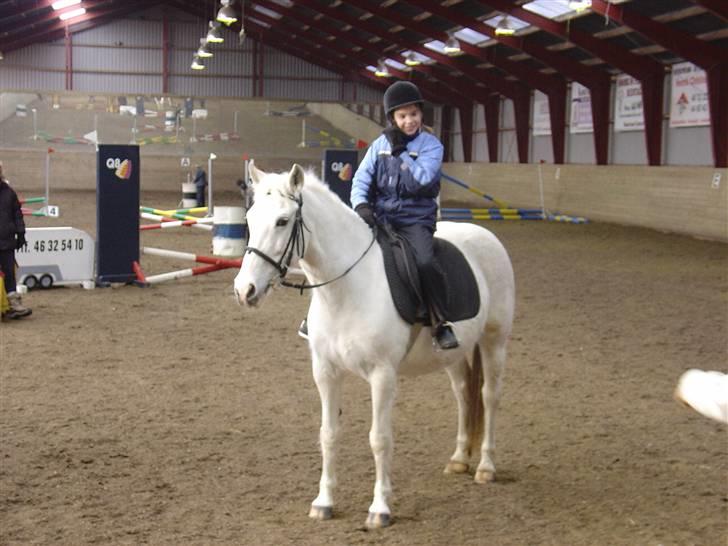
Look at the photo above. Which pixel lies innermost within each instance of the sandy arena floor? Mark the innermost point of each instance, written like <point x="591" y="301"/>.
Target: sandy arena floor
<point x="168" y="415"/>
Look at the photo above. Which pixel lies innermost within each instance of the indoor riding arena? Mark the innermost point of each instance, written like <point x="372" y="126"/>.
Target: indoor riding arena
<point x="143" y="401"/>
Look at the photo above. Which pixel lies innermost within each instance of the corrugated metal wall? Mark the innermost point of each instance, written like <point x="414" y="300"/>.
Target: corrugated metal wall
<point x="126" y="56"/>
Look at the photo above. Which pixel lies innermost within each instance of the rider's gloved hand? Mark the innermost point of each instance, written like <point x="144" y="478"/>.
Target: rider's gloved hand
<point x="366" y="213"/>
<point x="396" y="139"/>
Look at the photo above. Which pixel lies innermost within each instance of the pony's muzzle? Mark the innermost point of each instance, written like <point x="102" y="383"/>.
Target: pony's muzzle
<point x="246" y="295"/>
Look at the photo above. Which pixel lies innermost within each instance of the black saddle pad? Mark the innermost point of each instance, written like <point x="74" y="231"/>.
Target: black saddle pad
<point x="399" y="264"/>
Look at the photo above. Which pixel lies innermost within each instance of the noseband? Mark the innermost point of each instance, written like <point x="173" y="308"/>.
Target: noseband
<point x="297" y="242"/>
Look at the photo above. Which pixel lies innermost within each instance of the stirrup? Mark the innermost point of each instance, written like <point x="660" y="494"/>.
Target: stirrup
<point x="445" y="337"/>
<point x="303" y="329"/>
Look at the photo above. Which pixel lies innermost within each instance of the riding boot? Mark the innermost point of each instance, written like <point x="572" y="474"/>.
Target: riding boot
<point x="435" y="289"/>
<point x="17" y="310"/>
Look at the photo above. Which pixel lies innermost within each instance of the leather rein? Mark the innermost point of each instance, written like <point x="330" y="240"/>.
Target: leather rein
<point x="297" y="243"/>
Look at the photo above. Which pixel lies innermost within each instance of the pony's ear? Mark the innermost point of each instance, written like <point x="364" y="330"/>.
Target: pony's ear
<point x="256" y="175"/>
<point x="296" y="177"/>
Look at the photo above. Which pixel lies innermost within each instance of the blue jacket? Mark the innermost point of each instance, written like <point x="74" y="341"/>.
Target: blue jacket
<point x="403" y="190"/>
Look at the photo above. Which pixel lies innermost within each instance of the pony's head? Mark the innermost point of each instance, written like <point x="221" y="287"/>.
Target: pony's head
<point x="274" y="224"/>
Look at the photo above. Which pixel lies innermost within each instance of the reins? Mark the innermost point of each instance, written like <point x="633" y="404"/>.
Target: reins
<point x="297" y="242"/>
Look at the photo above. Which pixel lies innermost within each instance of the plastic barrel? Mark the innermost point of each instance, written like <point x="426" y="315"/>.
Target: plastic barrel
<point x="189" y="195"/>
<point x="228" y="231"/>
<point x="169" y="120"/>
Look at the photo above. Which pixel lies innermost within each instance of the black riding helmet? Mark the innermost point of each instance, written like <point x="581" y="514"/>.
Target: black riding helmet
<point x="399" y="94"/>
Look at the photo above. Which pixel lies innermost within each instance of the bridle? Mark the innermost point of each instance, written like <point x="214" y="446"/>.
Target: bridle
<point x="297" y="242"/>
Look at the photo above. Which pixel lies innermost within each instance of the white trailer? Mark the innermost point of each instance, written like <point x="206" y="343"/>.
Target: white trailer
<point x="56" y="256"/>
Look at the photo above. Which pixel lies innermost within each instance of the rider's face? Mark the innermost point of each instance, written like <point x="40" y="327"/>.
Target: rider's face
<point x="408" y="119"/>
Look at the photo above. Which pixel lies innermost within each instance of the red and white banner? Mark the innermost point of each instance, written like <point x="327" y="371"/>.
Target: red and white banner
<point x="581" y="117"/>
<point x="689" y="96"/>
<point x="628" y="109"/>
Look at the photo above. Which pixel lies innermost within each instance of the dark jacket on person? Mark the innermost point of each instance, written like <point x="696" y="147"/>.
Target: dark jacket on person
<point x="11" y="216"/>
<point x="200" y="178"/>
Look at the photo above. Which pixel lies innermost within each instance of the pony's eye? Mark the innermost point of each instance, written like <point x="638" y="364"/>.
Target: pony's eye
<point x="282" y="222"/>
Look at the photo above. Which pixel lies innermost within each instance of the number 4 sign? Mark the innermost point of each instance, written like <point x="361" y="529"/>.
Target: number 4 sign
<point x="52" y="210"/>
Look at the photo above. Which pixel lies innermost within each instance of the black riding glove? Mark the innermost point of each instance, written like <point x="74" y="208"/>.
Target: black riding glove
<point x="21" y="242"/>
<point x="366" y="213"/>
<point x="396" y="140"/>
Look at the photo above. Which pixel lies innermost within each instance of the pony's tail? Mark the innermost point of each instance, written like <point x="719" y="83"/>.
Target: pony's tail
<point x="474" y="399"/>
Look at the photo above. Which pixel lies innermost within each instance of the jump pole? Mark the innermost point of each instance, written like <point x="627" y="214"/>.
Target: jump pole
<point x="201" y="223"/>
<point x="182" y="273"/>
<point x="168" y="214"/>
<point x="222" y="262"/>
<point x="540" y="188"/>
<point x="210" y="159"/>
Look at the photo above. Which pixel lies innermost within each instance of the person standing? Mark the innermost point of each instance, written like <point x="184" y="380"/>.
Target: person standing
<point x="12" y="238"/>
<point x="200" y="185"/>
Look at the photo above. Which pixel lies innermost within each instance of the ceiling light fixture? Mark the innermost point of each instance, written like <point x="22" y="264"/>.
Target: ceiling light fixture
<point x="197" y="64"/>
<point x="382" y="71"/>
<point x="452" y="46"/>
<point x="71" y="14"/>
<point x="214" y="35"/>
<point x="411" y="59"/>
<point x="579" y="5"/>
<point x="204" y="52"/>
<point x="504" y="28"/>
<point x="227" y="15"/>
<point x="60" y="4"/>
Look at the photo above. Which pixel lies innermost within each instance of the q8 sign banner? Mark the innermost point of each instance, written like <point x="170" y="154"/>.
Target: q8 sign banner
<point x="117" y="213"/>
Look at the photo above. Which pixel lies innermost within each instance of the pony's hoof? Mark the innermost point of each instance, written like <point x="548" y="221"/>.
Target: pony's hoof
<point x="454" y="467"/>
<point x="321" y="513"/>
<point x="378" y="521"/>
<point x="484" y="476"/>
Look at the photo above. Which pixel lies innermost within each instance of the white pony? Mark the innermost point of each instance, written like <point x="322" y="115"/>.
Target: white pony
<point x="353" y="325"/>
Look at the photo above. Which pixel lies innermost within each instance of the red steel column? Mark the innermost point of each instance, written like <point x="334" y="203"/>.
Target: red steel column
<point x="69" y="60"/>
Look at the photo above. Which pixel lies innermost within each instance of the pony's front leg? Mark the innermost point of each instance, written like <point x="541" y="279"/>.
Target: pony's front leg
<point x="328" y="380"/>
<point x="383" y="383"/>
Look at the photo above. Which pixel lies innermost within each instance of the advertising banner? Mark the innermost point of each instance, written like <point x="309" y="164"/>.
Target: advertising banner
<point x="689" y="96"/>
<point x="581" y="117"/>
<point x="628" y="111"/>
<point x="541" y="119"/>
<point x="339" y="167"/>
<point x="117" y="213"/>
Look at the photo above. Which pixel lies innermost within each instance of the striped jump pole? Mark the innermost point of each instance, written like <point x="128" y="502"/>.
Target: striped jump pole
<point x="524" y="212"/>
<point x="212" y="260"/>
<point x="192" y="210"/>
<point x="164" y="222"/>
<point x="31" y="200"/>
<point x="29" y="212"/>
<point x="473" y="190"/>
<point x="491" y="214"/>
<point x="182" y="273"/>
<point x="175" y="215"/>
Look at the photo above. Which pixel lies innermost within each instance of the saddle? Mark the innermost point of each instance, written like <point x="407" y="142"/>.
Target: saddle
<point x="404" y="282"/>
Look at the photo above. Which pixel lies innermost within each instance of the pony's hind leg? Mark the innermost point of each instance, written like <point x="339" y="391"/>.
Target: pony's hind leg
<point x="328" y="380"/>
<point x="458" y="374"/>
<point x="493" y="352"/>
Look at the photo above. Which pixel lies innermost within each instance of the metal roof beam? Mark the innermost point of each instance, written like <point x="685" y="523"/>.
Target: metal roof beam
<point x="504" y="87"/>
<point x="718" y="7"/>
<point x="703" y="54"/>
<point x="84" y="22"/>
<point x="373" y="55"/>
